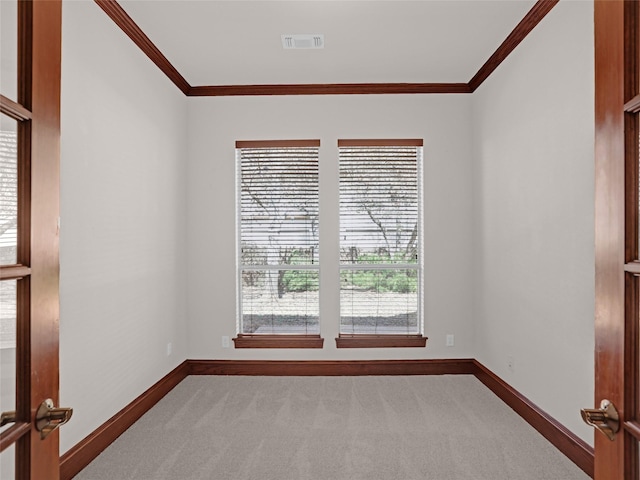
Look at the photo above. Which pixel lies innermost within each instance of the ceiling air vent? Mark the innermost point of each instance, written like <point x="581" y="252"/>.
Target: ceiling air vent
<point x="302" y="41"/>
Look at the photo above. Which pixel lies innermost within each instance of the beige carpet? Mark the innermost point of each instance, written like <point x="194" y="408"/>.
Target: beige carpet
<point x="330" y="428"/>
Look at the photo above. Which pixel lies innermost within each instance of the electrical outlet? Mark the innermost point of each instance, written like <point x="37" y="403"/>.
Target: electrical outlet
<point x="169" y="348"/>
<point x="510" y="363"/>
<point x="450" y="340"/>
<point x="225" y="342"/>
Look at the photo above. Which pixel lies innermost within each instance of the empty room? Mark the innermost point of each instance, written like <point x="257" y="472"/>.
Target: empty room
<point x="325" y="239"/>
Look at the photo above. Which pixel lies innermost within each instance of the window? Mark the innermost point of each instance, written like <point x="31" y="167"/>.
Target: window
<point x="379" y="250"/>
<point x="278" y="243"/>
<point x="8" y="191"/>
<point x="380" y="243"/>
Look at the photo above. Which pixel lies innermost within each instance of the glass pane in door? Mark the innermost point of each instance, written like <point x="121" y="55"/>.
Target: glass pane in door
<point x="9" y="48"/>
<point x="8" y="190"/>
<point x="7" y="463"/>
<point x="8" y="346"/>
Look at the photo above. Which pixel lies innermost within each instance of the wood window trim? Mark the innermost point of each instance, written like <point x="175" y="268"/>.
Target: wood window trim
<point x="380" y="341"/>
<point x="388" y="340"/>
<point x="14" y="110"/>
<point x="276" y="143"/>
<point x="378" y="142"/>
<point x="632" y="267"/>
<point x="14" y="272"/>
<point x="13" y="434"/>
<point x="294" y="182"/>
<point x="256" y="340"/>
<point x="633" y="428"/>
<point x="633" y="105"/>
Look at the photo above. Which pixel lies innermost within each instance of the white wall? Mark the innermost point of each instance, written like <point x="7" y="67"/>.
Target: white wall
<point x="148" y="196"/>
<point x="443" y="121"/>
<point x="123" y="233"/>
<point x="533" y="126"/>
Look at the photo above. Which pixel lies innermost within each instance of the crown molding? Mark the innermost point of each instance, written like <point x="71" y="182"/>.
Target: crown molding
<point x="526" y="25"/>
<point x="328" y="89"/>
<point x="121" y="18"/>
<point x="113" y="9"/>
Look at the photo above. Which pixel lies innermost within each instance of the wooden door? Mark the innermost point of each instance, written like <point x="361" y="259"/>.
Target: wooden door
<point x="617" y="325"/>
<point x="29" y="238"/>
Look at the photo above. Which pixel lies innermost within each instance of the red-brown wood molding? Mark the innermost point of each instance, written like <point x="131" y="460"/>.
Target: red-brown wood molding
<point x="526" y="25"/>
<point x="278" y="341"/>
<point x="576" y="449"/>
<point x="568" y="443"/>
<point x="14" y="109"/>
<point x="80" y="455"/>
<point x="328" y="89"/>
<point x="331" y="367"/>
<point x="133" y="31"/>
<point x="360" y="340"/>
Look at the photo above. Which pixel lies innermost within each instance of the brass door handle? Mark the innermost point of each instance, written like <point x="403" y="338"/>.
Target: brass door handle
<point x="49" y="418"/>
<point x="605" y="419"/>
<point x="7" y="417"/>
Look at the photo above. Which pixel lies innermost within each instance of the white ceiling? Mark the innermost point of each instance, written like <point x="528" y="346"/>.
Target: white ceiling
<point x="214" y="42"/>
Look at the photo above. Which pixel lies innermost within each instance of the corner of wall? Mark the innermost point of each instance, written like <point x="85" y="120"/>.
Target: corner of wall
<point x="123" y="208"/>
<point x="533" y="208"/>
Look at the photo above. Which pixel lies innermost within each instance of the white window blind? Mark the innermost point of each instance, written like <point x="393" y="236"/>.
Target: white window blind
<point x="380" y="236"/>
<point x="278" y="208"/>
<point x="8" y="196"/>
<point x="8" y="238"/>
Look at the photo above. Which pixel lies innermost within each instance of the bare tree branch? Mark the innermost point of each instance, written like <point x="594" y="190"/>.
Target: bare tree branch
<point x="383" y="230"/>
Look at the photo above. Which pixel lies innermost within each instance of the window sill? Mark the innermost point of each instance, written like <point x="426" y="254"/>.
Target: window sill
<point x="278" y="341"/>
<point x="379" y="341"/>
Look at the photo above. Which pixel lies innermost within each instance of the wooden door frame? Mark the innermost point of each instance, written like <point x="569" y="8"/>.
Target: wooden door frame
<point x="45" y="79"/>
<point x="616" y="231"/>
<point x="631" y="425"/>
<point x="37" y="111"/>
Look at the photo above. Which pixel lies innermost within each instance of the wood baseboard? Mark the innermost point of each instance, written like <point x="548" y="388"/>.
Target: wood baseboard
<point x="331" y="368"/>
<point x="79" y="456"/>
<point x="576" y="449"/>
<point x="568" y="443"/>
